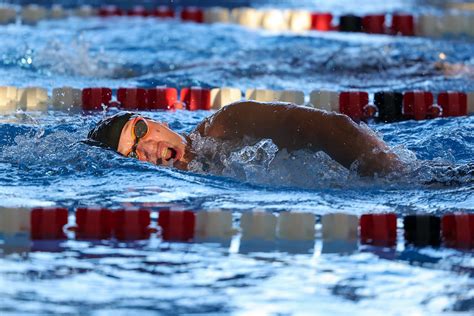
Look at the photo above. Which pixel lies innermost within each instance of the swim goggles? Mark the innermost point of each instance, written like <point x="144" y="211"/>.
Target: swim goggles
<point x="139" y="130"/>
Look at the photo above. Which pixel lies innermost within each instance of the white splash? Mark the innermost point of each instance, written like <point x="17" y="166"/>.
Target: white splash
<point x="261" y="162"/>
<point x="75" y="59"/>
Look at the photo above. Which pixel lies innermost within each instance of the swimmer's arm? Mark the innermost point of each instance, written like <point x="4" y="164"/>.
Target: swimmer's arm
<point x="343" y="140"/>
<point x="293" y="127"/>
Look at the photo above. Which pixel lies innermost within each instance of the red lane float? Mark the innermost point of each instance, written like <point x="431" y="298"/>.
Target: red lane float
<point x="321" y="21"/>
<point x="196" y="98"/>
<point x="110" y="10"/>
<point x="177" y="225"/>
<point x="138" y="11"/>
<point x="48" y="223"/>
<point x="162" y="98"/>
<point x="458" y="230"/>
<point x="373" y="24"/>
<point x="378" y="229"/>
<point x="131" y="224"/>
<point x="192" y="14"/>
<point x="94" y="98"/>
<point x="355" y="104"/>
<point x="453" y="103"/>
<point x="403" y="24"/>
<point x="94" y="223"/>
<point x="163" y="12"/>
<point x="422" y="230"/>
<point x="418" y="105"/>
<point x="132" y="98"/>
<point x="98" y="224"/>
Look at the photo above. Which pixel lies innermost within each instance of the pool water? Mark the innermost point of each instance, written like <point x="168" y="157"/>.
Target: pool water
<point x="43" y="163"/>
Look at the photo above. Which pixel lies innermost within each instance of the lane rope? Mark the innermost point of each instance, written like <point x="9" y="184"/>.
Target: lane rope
<point x="455" y="22"/>
<point x="382" y="106"/>
<point x="453" y="230"/>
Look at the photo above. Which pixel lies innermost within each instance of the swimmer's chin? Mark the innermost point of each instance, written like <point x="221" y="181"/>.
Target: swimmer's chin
<point x="178" y="164"/>
<point x="181" y="165"/>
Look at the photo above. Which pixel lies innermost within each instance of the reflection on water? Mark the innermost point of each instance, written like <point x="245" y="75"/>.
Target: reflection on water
<point x="170" y="252"/>
<point x="250" y="270"/>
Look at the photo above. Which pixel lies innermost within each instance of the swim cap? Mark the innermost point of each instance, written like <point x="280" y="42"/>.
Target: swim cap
<point x="107" y="132"/>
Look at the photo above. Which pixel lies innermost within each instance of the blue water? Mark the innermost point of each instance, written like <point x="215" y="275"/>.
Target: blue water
<point x="43" y="162"/>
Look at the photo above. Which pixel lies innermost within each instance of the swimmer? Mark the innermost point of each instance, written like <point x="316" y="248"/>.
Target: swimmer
<point x="289" y="126"/>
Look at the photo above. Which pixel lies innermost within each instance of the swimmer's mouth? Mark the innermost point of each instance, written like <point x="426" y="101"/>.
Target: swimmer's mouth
<point x="168" y="153"/>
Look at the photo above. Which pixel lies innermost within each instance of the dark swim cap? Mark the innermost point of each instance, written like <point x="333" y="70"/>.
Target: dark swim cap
<point x="107" y="132"/>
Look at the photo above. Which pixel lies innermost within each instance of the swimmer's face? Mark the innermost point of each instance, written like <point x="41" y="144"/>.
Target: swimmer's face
<point x="160" y="145"/>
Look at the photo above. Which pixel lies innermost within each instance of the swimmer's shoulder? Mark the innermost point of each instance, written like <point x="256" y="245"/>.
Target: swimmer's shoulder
<point x="239" y="115"/>
<point x="252" y="109"/>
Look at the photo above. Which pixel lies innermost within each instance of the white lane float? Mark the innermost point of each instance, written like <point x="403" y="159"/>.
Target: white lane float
<point x="7" y="15"/>
<point x="15" y="230"/>
<point x="8" y="99"/>
<point x="67" y="99"/>
<point x="453" y="24"/>
<point x="32" y="14"/>
<point x="221" y="97"/>
<point x="470" y="103"/>
<point x="262" y="95"/>
<point x="57" y="12"/>
<point x="247" y="17"/>
<point x="213" y="226"/>
<point x="85" y="11"/>
<point x="300" y="21"/>
<point x="291" y="96"/>
<point x="325" y="100"/>
<point x="258" y="232"/>
<point x="275" y="20"/>
<point x="296" y="232"/>
<point x="428" y="25"/>
<point x="216" y="15"/>
<point x="470" y="24"/>
<point x="14" y="221"/>
<point x="339" y="233"/>
<point x="33" y="99"/>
